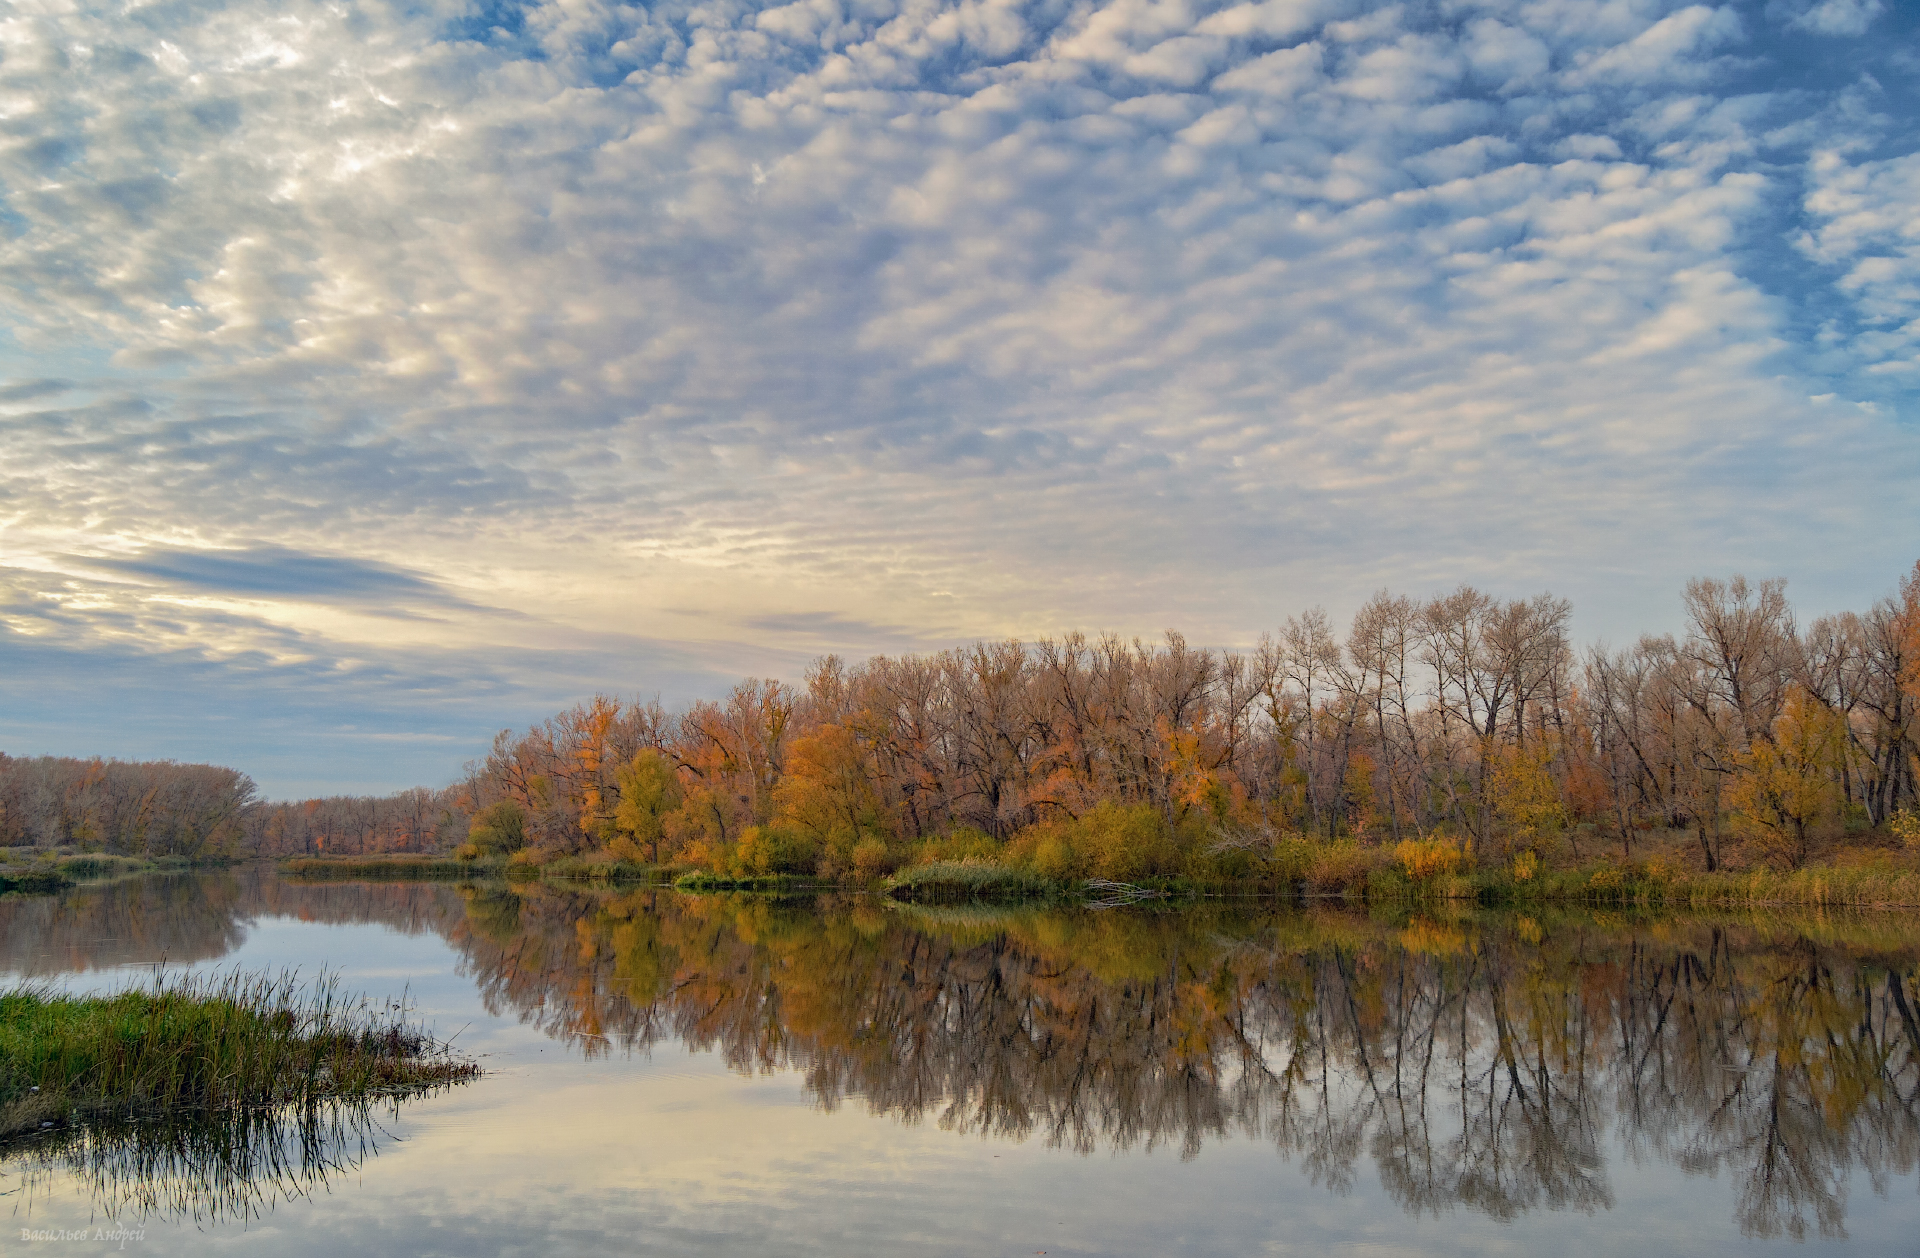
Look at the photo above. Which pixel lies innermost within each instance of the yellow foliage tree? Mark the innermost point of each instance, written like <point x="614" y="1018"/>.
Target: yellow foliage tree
<point x="1525" y="796"/>
<point x="831" y="793"/>
<point x="1786" y="788"/>
<point x="649" y="792"/>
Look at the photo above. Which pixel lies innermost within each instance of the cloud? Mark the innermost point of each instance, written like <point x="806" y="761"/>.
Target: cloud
<point x="1828" y="17"/>
<point x="30" y="390"/>
<point x="685" y="325"/>
<point x="275" y="571"/>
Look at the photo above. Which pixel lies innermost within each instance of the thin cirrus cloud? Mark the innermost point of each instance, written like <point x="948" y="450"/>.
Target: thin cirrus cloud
<point x="533" y="349"/>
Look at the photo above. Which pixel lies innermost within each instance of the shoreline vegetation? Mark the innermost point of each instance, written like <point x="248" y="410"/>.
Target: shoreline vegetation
<point x="38" y="873"/>
<point x="209" y="1044"/>
<point x="1410" y="875"/>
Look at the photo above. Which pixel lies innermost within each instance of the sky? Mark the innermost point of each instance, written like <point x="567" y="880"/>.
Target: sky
<point x="374" y="376"/>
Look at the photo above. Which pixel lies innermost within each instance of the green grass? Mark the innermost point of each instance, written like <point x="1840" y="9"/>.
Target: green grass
<point x="948" y="882"/>
<point x="35" y="879"/>
<point x="588" y="869"/>
<point x="103" y="865"/>
<point x="1883" y="884"/>
<point x="398" y="866"/>
<point x="43" y="872"/>
<point x="700" y="881"/>
<point x="204" y="1043"/>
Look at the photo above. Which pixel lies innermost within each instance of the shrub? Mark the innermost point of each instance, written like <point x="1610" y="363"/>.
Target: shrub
<point x="1338" y="868"/>
<point x="871" y="859"/>
<point x="1291" y="859"/>
<point x="496" y="830"/>
<point x="774" y="850"/>
<point x="1122" y="842"/>
<point x="1905" y="826"/>
<point x="1425" y="859"/>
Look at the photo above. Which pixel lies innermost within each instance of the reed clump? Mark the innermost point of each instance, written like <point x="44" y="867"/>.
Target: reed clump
<point x="947" y="882"/>
<point x="402" y="866"/>
<point x="205" y="1043"/>
<point x="34" y="879"/>
<point x="700" y="881"/>
<point x="599" y="869"/>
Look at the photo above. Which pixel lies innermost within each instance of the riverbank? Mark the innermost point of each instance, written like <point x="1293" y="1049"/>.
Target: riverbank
<point x="1344" y="871"/>
<point x="34" y="872"/>
<point x="209" y="1043"/>
<point x="404" y="866"/>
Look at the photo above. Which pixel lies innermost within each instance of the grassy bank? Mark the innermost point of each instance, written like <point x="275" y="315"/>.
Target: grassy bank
<point x="1418" y="872"/>
<point x="32" y="879"/>
<point x="408" y="866"/>
<point x="404" y="867"/>
<point x="30" y="871"/>
<point x="955" y="882"/>
<point x="1887" y="883"/>
<point x="595" y="869"/>
<point x="701" y="881"/>
<point x="203" y="1043"/>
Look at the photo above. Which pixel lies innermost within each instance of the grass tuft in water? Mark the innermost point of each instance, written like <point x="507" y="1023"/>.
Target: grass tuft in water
<point x="205" y="1043"/>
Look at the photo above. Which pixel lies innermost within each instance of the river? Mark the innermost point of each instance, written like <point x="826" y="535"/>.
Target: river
<point x="736" y="1075"/>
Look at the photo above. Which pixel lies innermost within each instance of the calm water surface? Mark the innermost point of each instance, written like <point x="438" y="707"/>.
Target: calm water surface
<point x="725" y="1075"/>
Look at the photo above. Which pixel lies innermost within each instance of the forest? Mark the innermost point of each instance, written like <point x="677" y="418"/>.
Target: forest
<point x="1464" y="726"/>
<point x="1458" y="731"/>
<point x="145" y="808"/>
<point x="158" y="809"/>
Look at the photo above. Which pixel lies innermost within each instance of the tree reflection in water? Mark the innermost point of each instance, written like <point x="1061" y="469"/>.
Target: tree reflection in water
<point x="1496" y="1064"/>
<point x="1485" y="1065"/>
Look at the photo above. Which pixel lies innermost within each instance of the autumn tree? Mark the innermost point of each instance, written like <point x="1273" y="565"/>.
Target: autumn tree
<point x="649" y="793"/>
<point x="1785" y="790"/>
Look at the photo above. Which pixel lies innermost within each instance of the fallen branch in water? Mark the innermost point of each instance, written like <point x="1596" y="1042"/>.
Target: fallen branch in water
<point x="1115" y="894"/>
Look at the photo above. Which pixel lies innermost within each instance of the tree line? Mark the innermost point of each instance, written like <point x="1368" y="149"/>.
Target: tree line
<point x="136" y="808"/>
<point x="162" y="808"/>
<point x="1462" y="718"/>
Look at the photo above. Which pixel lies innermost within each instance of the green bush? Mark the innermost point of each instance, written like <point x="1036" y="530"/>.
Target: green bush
<point x="773" y="850"/>
<point x="1122" y="842"/>
<point x="496" y="830"/>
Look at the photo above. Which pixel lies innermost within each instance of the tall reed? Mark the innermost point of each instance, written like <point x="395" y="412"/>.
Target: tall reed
<point x="206" y="1042"/>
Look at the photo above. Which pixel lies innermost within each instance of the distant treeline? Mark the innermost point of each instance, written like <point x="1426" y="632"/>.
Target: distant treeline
<point x="416" y="820"/>
<point x="148" y="808"/>
<point x="1460" y="719"/>
<point x="160" y="808"/>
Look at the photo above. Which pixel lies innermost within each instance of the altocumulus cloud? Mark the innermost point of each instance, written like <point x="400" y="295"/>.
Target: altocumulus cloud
<point x="410" y="368"/>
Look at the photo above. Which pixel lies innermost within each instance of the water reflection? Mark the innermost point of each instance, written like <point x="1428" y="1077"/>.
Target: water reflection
<point x="229" y="1167"/>
<point x="1500" y="1066"/>
<point x="1471" y="1066"/>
